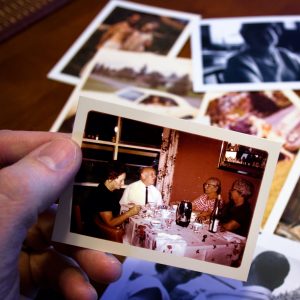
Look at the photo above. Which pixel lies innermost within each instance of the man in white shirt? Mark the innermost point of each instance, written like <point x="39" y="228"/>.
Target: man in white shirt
<point x="143" y="191"/>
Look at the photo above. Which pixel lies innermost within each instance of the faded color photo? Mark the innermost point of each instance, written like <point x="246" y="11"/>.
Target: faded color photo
<point x="125" y="26"/>
<point x="130" y="192"/>
<point x="153" y="82"/>
<point x="272" y="115"/>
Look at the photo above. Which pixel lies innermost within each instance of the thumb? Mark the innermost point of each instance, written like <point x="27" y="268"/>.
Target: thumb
<point x="29" y="186"/>
<point x="26" y="189"/>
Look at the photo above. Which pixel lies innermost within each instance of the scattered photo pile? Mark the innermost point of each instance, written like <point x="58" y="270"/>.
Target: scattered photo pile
<point x="242" y="77"/>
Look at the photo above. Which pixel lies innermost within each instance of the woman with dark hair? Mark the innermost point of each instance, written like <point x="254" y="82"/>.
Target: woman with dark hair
<point x="104" y="204"/>
<point x="260" y="60"/>
<point x="160" y="286"/>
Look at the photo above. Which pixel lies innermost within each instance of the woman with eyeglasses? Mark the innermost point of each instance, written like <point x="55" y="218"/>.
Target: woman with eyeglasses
<point x="238" y="214"/>
<point x="204" y="204"/>
<point x="261" y="59"/>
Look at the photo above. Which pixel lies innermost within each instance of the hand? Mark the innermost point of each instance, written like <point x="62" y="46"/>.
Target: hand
<point x="36" y="167"/>
<point x="134" y="210"/>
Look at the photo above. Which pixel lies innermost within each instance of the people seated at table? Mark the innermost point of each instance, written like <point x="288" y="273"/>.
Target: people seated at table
<point x="261" y="60"/>
<point x="105" y="202"/>
<point x="204" y="204"/>
<point x="143" y="191"/>
<point x="159" y="286"/>
<point x="237" y="213"/>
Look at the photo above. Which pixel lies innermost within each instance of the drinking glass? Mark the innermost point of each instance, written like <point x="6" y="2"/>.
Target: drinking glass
<point x="169" y="220"/>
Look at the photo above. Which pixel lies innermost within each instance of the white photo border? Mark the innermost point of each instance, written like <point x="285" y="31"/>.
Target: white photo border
<point x="56" y="73"/>
<point x="62" y="232"/>
<point x="71" y="104"/>
<point x="284" y="198"/>
<point x="293" y="174"/>
<point x="198" y="83"/>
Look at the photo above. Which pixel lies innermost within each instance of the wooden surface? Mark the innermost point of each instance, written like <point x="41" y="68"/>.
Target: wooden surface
<point x="30" y="101"/>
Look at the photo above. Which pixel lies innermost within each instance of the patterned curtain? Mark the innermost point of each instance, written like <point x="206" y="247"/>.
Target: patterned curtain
<point x="167" y="163"/>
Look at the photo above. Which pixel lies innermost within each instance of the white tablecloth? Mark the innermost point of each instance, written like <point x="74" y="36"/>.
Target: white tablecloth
<point x="221" y="247"/>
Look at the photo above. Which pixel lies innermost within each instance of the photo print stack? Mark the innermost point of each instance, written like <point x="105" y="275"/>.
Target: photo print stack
<point x="219" y="129"/>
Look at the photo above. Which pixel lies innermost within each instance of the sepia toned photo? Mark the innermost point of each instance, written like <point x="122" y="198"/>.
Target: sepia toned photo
<point x="251" y="53"/>
<point x="272" y="115"/>
<point x="123" y="25"/>
<point x="154" y="82"/>
<point x="147" y="81"/>
<point x="130" y="191"/>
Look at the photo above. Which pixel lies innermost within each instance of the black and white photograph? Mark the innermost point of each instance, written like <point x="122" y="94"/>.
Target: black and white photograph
<point x="273" y="115"/>
<point x="252" y="53"/>
<point x="130" y="193"/>
<point x="272" y="276"/>
<point x="127" y="26"/>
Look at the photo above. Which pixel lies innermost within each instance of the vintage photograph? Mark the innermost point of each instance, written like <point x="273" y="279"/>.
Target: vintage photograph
<point x="128" y="26"/>
<point x="289" y="224"/>
<point x="157" y="83"/>
<point x="130" y="191"/>
<point x="253" y="53"/>
<point x="272" y="276"/>
<point x="285" y="220"/>
<point x="148" y="81"/>
<point x="272" y="115"/>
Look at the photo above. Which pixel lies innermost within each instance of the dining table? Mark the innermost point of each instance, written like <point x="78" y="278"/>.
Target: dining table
<point x="149" y="229"/>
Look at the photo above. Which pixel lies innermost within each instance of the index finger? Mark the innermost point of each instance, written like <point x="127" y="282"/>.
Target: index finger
<point x="16" y="144"/>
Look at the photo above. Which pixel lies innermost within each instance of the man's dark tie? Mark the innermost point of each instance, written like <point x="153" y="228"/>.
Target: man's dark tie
<point x="146" y="202"/>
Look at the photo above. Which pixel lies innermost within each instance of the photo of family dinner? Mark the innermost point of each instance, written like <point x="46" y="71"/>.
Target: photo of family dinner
<point x="250" y="52"/>
<point x="131" y="194"/>
<point x="130" y="189"/>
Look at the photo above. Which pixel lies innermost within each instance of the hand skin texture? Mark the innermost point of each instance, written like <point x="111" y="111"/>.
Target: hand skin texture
<point x="35" y="167"/>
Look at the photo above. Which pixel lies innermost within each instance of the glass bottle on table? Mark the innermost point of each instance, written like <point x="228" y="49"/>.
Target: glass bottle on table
<point x="215" y="216"/>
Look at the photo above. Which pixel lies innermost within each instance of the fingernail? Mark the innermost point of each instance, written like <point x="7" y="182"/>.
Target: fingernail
<point x="58" y="154"/>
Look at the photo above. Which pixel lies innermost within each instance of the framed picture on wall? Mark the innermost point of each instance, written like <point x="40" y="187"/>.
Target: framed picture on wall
<point x="111" y="134"/>
<point x="242" y="159"/>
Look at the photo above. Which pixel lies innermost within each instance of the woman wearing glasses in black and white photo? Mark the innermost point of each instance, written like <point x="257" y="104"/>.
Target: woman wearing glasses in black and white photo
<point x="260" y="59"/>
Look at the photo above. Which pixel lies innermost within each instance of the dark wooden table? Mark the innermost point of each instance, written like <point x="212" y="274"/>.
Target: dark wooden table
<point x="30" y="101"/>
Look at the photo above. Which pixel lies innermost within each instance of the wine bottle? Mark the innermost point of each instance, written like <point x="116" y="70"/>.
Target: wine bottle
<point x="215" y="216"/>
